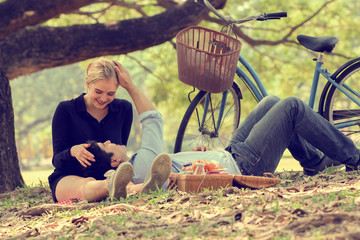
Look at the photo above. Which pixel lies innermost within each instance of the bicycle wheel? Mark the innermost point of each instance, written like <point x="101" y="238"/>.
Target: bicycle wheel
<point x="192" y="133"/>
<point x="341" y="110"/>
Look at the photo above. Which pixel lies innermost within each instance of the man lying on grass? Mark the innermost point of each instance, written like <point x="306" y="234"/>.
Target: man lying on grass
<point x="256" y="147"/>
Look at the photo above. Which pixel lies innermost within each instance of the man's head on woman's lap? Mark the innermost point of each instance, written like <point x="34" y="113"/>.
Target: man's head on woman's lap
<point x="107" y="155"/>
<point x="102" y="162"/>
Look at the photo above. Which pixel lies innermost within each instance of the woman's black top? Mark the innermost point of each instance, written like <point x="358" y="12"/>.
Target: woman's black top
<point x="73" y="125"/>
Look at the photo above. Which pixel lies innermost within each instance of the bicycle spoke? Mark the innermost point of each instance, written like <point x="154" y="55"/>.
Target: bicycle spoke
<point x="345" y="114"/>
<point x="340" y="109"/>
<point x="207" y="134"/>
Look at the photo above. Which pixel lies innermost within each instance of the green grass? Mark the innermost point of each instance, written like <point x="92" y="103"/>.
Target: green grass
<point x="36" y="177"/>
<point x="287" y="163"/>
<point x="209" y="215"/>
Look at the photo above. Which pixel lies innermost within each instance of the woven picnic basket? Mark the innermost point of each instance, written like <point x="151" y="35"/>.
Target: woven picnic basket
<point x="207" y="59"/>
<point x="256" y="181"/>
<point x="197" y="183"/>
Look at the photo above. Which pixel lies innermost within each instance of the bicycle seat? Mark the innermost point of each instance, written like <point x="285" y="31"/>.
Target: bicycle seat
<point x="318" y="44"/>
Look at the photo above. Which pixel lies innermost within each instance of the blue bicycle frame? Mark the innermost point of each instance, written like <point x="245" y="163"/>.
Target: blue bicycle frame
<point x="258" y="89"/>
<point x="256" y="86"/>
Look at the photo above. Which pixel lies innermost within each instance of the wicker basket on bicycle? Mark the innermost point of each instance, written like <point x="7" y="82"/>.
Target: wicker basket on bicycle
<point x="207" y="59"/>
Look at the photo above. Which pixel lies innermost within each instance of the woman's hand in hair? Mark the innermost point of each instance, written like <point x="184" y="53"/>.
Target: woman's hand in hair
<point x="142" y="103"/>
<point x="123" y="76"/>
<point x="82" y="155"/>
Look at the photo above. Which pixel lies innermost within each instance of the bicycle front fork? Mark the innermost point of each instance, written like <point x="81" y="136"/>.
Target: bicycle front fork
<point x="216" y="122"/>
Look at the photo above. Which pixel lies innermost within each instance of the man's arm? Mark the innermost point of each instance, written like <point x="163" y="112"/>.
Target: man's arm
<point x="142" y="103"/>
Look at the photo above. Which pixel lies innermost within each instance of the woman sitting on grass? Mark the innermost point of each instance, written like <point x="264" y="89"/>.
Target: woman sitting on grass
<point x="96" y="115"/>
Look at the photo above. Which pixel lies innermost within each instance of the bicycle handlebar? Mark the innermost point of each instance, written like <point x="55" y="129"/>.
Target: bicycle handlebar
<point x="270" y="16"/>
<point x="277" y="14"/>
<point x="261" y="17"/>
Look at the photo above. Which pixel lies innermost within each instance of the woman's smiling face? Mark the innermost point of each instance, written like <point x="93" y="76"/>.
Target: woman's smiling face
<point x="102" y="92"/>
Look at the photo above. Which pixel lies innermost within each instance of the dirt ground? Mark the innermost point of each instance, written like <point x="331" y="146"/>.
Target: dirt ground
<point x="326" y="206"/>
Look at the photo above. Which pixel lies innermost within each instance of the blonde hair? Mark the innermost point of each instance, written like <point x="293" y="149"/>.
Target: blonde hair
<point x="101" y="69"/>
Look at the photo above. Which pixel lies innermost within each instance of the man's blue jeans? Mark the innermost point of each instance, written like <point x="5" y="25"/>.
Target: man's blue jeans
<point x="274" y="125"/>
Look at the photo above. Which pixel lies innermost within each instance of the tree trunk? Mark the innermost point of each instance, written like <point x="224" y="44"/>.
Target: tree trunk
<point x="10" y="176"/>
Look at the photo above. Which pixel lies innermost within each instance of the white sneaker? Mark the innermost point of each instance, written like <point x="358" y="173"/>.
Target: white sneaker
<point x="118" y="180"/>
<point x="159" y="173"/>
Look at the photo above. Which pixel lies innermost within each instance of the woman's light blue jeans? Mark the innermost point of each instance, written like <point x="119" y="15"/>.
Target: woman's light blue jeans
<point x="274" y="125"/>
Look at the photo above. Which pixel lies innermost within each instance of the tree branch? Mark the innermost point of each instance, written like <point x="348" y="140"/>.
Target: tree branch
<point x="32" y="12"/>
<point x="136" y="7"/>
<point x="293" y="29"/>
<point x="31" y="50"/>
<point x="251" y="41"/>
<point x="26" y="129"/>
<point x="285" y="39"/>
<point x="147" y="69"/>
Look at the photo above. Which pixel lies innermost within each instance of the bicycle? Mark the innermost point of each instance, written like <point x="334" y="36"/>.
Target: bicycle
<point x="211" y="118"/>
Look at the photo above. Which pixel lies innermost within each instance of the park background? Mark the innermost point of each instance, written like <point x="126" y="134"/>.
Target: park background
<point x="271" y="47"/>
